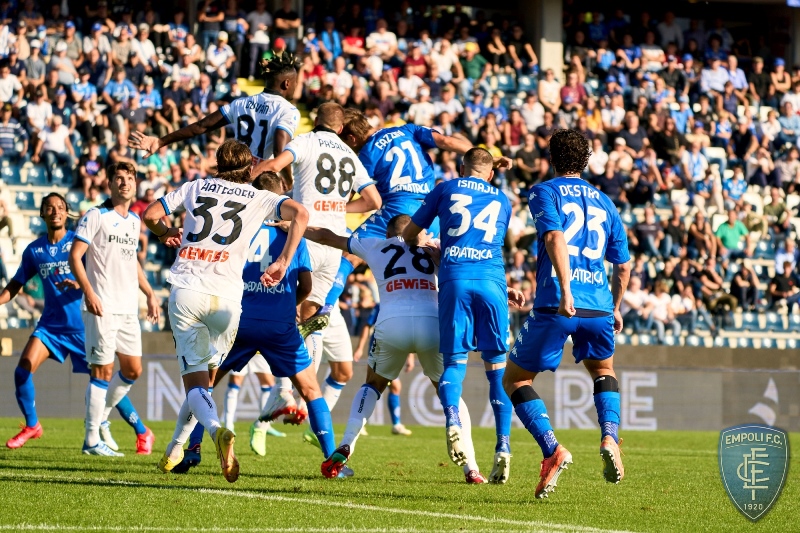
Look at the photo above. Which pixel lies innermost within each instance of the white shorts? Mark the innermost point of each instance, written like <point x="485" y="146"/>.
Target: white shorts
<point x="204" y="328"/>
<point x="108" y="335"/>
<point x="336" y="344"/>
<point x="396" y="338"/>
<point x="324" y="266"/>
<point x="257" y="365"/>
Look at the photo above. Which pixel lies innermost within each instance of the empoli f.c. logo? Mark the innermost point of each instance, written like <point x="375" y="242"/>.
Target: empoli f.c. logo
<point x="753" y="461"/>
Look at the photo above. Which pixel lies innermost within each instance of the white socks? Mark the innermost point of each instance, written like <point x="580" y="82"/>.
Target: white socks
<point x="266" y="394"/>
<point x="183" y="428"/>
<point x="466" y="437"/>
<point x="202" y="405"/>
<point x="331" y="390"/>
<point x="96" y="392"/>
<point x="362" y="408"/>
<point x="229" y="406"/>
<point x="118" y="388"/>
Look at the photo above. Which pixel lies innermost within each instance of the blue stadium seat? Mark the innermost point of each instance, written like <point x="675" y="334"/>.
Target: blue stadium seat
<point x="526" y="84"/>
<point x="662" y="201"/>
<point x="741" y="342"/>
<point x="694" y="341"/>
<point x="628" y="219"/>
<point x="749" y="321"/>
<point x="74" y="199"/>
<point x="26" y="201"/>
<point x="10" y="174"/>
<point x="503" y="82"/>
<point x="775" y="322"/>
<point x="672" y="340"/>
<point x="623" y="339"/>
<point x="62" y="177"/>
<point x="37" y="226"/>
<point x="765" y="249"/>
<point x="720" y="342"/>
<point x="645" y="339"/>
<point x="794" y="321"/>
<point x="104" y="151"/>
<point x="153" y="278"/>
<point x="701" y="324"/>
<point x="768" y="343"/>
<point x="791" y="344"/>
<point x="37" y="175"/>
<point x="14" y="322"/>
<point x="221" y="90"/>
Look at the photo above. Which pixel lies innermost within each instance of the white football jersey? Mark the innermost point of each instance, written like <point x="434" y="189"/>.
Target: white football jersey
<point x="111" y="263"/>
<point x="256" y="118"/>
<point x="406" y="276"/>
<point x="221" y="220"/>
<point x="326" y="171"/>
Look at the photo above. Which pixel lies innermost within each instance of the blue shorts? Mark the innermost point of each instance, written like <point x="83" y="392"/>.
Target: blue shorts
<point x="280" y="343"/>
<point x="473" y="316"/>
<point x="375" y="225"/>
<point x="63" y="345"/>
<point x="540" y="343"/>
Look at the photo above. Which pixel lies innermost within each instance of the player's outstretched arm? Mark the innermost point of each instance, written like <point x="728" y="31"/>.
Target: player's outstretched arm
<point x="461" y="146"/>
<point x="151" y="145"/>
<point x="326" y="237"/>
<point x="10" y="291"/>
<point x="93" y="304"/>
<point x="297" y="214"/>
<point x="153" y="219"/>
<point x="619" y="284"/>
<point x="153" y="304"/>
<point x="411" y="234"/>
<point x="557" y="251"/>
<point x="278" y="163"/>
<point x="369" y="200"/>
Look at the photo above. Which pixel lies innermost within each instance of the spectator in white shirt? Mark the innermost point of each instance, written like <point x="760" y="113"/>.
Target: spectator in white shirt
<point x="447" y="60"/>
<point x="220" y="58"/>
<point x="532" y="111"/>
<point x="660" y="314"/>
<point x="633" y="304"/>
<point x="39" y="112"/>
<point x="422" y="112"/>
<point x="449" y="103"/>
<point x="260" y="22"/>
<point x="10" y="87"/>
<point x="787" y="254"/>
<point x="145" y="49"/>
<point x="599" y="158"/>
<point x="408" y="85"/>
<point x="53" y="146"/>
<point x="382" y="42"/>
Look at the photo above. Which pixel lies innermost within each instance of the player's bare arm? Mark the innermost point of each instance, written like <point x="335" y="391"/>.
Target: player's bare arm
<point x="153" y="218"/>
<point x="620" y="277"/>
<point x="557" y="250"/>
<point x="93" y="304"/>
<point x="326" y="237"/>
<point x="369" y="200"/>
<point x="297" y="214"/>
<point x="153" y="305"/>
<point x="10" y="291"/>
<point x="150" y="144"/>
<point x="461" y="146"/>
<point x="304" y="284"/>
<point x="516" y="298"/>
<point x="411" y="234"/>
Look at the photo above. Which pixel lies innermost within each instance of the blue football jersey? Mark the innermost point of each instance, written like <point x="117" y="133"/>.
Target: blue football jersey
<point x="593" y="231"/>
<point x="345" y="269"/>
<point x="278" y="303"/>
<point x="473" y="219"/>
<point x="397" y="160"/>
<point x="62" y="309"/>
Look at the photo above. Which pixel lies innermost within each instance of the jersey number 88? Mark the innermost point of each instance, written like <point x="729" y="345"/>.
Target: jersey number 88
<point x="325" y="181"/>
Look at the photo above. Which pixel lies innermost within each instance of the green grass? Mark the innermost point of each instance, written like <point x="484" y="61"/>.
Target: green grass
<point x="402" y="483"/>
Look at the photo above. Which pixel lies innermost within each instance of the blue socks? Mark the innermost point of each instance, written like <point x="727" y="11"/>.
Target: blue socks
<point x="319" y="417"/>
<point x="128" y="413"/>
<point x="26" y="395"/>
<point x="531" y="411"/>
<point x="501" y="405"/>
<point x="450" y="386"/>
<point x="607" y="403"/>
<point x="394" y="407"/>
<point x="196" y="437"/>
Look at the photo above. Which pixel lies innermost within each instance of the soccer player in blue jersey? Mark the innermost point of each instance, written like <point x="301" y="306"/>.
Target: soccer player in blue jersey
<point x="578" y="228"/>
<point x="473" y="297"/>
<point x="268" y="326"/>
<point x="398" y="161"/>
<point x="59" y="333"/>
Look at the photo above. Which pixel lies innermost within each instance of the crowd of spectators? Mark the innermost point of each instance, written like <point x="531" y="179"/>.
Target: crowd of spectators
<point x="681" y="117"/>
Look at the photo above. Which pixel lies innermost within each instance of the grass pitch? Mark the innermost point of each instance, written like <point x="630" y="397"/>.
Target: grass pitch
<point x="407" y="484"/>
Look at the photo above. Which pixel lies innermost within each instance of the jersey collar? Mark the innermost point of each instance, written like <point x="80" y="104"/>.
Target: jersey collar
<point x="323" y="128"/>
<point x="271" y="91"/>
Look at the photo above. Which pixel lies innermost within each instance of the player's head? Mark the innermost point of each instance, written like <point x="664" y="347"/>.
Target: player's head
<point x="122" y="180"/>
<point x="569" y="152"/>
<point x="356" y="129"/>
<point x="280" y="73"/>
<point x="234" y="162"/>
<point x="330" y="115"/>
<point x="396" y="225"/>
<point x="270" y="181"/>
<point x="54" y="211"/>
<point x="478" y="163"/>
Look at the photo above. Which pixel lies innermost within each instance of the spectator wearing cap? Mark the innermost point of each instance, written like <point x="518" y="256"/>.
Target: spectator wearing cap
<point x="620" y="157"/>
<point x="220" y="59"/>
<point x="693" y="165"/>
<point x="259" y="23"/>
<point x="135" y="70"/>
<point x="10" y="87"/>
<point x="286" y="23"/>
<point x="733" y="189"/>
<point x="64" y="109"/>
<point x="150" y="98"/>
<point x="713" y="79"/>
<point x="60" y="63"/>
<point x="20" y="41"/>
<point x="692" y="77"/>
<point x="121" y="47"/>
<point x="475" y="72"/>
<point x="97" y="40"/>
<point x="683" y="116"/>
<point x="674" y="77"/>
<point x="781" y="80"/>
<point x="83" y="88"/>
<point x="53" y="146"/>
<point x="186" y="73"/>
<point x="35" y="67"/>
<point x="12" y="134"/>
<point x="17" y="66"/>
<point x="330" y="42"/>
<point x="74" y="44"/>
<point x="311" y="44"/>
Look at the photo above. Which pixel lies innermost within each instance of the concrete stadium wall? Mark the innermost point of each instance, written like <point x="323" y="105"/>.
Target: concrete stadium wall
<point x="662" y="388"/>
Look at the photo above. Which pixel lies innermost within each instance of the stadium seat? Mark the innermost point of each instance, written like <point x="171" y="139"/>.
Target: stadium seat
<point x="221" y="90"/>
<point x="794" y="321"/>
<point x="62" y="177"/>
<point x="37" y="226"/>
<point x="628" y="219"/>
<point x="74" y="199"/>
<point x="503" y="82"/>
<point x="153" y="279"/>
<point x="671" y="340"/>
<point x="749" y="322"/>
<point x="768" y="343"/>
<point x="645" y="339"/>
<point x="10" y="174"/>
<point x="526" y="84"/>
<point x="26" y="201"/>
<point x="694" y="341"/>
<point x="623" y="339"/>
<point x="765" y="249"/>
<point x="741" y="342"/>
<point x="720" y="342"/>
<point x="791" y="344"/>
<point x="37" y="175"/>
<point x="775" y="322"/>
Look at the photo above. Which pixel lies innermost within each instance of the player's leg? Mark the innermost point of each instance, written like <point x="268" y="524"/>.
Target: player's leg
<point x="393" y="403"/>
<point x="319" y="416"/>
<point x="34" y="354"/>
<point x="266" y="383"/>
<point x="232" y="398"/>
<point x="337" y="348"/>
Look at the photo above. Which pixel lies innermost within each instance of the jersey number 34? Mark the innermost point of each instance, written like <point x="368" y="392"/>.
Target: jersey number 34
<point x="486" y="220"/>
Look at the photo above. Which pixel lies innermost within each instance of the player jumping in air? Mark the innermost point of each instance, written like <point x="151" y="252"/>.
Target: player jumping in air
<point x="223" y="214"/>
<point x="473" y="297"/>
<point x="59" y="333"/>
<point x="578" y="228"/>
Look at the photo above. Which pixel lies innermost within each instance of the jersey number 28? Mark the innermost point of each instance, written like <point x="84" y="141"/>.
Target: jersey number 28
<point x="486" y="220"/>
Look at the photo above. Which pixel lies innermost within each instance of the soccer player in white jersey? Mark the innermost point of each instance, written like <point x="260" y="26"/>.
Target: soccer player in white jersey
<point x="327" y="172"/>
<point x="407" y="323"/>
<point x="265" y="122"/>
<point x="109" y="237"/>
<point x="222" y="215"/>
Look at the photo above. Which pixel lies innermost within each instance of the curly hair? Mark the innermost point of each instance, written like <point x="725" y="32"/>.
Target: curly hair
<point x="234" y="162"/>
<point x="569" y="152"/>
<point x="277" y="66"/>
